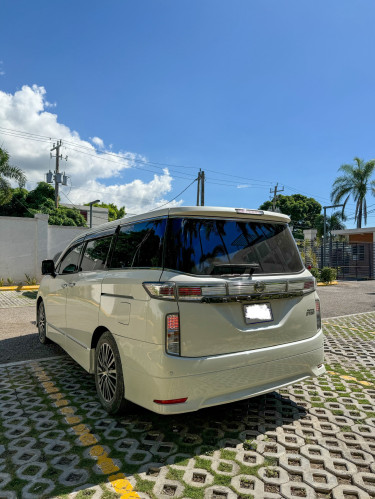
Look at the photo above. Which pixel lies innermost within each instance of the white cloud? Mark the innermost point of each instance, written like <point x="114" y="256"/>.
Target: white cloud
<point x="26" y="110"/>
<point x="97" y="141"/>
<point x="243" y="186"/>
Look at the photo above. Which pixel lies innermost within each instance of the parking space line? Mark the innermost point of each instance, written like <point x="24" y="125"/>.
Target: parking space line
<point x="106" y="464"/>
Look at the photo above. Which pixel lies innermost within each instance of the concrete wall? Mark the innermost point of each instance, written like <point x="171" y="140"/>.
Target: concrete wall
<point x="25" y="242"/>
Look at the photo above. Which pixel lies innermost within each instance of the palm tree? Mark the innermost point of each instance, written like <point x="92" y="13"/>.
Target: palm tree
<point x="355" y="182"/>
<point x="8" y="172"/>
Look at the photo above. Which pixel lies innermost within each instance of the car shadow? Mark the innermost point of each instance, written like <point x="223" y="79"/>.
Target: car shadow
<point x="26" y="347"/>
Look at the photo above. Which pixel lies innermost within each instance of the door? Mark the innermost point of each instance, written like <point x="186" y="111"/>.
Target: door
<point x="83" y="297"/>
<point x="55" y="300"/>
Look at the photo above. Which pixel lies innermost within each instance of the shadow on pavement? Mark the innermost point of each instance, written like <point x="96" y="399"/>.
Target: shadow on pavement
<point x="26" y="347"/>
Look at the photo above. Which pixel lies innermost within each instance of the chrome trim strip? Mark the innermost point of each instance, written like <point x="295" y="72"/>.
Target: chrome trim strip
<point x="118" y="296"/>
<point x="68" y="336"/>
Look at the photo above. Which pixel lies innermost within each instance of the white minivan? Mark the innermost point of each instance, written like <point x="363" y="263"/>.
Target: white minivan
<point x="184" y="308"/>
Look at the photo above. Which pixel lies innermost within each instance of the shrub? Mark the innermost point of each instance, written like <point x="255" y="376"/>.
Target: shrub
<point x="328" y="274"/>
<point x="10" y="281"/>
<point x="30" y="281"/>
<point x="315" y="272"/>
<point x="1" y="282"/>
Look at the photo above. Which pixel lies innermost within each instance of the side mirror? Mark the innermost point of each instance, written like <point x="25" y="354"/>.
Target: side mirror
<point x="48" y="267"/>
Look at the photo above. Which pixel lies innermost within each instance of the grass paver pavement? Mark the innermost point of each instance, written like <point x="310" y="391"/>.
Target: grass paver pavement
<point x="17" y="298"/>
<point x="315" y="439"/>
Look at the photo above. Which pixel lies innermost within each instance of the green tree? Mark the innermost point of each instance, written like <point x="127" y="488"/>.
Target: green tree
<point x="334" y="222"/>
<point x="355" y="182"/>
<point x="114" y="213"/>
<point x="41" y="200"/>
<point x="16" y="207"/>
<point x="301" y="209"/>
<point x="8" y="172"/>
<point x="39" y="196"/>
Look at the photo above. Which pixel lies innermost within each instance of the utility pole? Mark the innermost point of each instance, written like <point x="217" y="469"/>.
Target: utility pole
<point x="56" y="147"/>
<point x="275" y="196"/>
<point x="200" y="188"/>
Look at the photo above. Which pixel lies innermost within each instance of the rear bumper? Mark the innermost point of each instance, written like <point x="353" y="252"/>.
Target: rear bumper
<point x="221" y="379"/>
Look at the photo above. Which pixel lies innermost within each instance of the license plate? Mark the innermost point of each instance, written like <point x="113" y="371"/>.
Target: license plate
<point x="258" y="312"/>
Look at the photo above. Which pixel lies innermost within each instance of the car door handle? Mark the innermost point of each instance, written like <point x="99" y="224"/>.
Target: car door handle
<point x="64" y="285"/>
<point x="71" y="284"/>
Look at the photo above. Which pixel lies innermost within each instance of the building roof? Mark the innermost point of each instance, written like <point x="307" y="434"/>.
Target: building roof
<point x="348" y="232"/>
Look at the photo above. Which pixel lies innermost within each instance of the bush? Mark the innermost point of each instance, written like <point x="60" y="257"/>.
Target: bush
<point x="315" y="272"/>
<point x="328" y="274"/>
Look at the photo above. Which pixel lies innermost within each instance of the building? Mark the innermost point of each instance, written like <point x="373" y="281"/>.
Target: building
<point x="363" y="235"/>
<point x="99" y="215"/>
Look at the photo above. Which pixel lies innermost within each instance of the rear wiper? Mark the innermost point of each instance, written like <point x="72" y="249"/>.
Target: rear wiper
<point x="235" y="268"/>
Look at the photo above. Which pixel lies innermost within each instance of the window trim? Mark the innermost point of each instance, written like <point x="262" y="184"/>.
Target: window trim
<point x="96" y="237"/>
<point x="115" y="239"/>
<point x="69" y="249"/>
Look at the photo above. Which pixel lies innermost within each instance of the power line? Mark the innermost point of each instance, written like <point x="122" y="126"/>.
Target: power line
<point x="178" y="195"/>
<point x="31" y="136"/>
<point x="99" y="155"/>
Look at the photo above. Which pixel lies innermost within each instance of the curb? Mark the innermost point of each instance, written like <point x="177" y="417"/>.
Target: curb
<point x="19" y="288"/>
<point x="333" y="283"/>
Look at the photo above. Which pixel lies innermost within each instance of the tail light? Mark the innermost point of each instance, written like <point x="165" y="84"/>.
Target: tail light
<point x="172" y="339"/>
<point x="318" y="315"/>
<point x="161" y="290"/>
<point x="303" y="286"/>
<point x="229" y="291"/>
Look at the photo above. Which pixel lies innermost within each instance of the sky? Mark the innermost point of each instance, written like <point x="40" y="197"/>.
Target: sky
<point x="145" y="93"/>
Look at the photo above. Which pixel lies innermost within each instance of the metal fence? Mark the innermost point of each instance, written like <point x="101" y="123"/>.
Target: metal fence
<point x="352" y="260"/>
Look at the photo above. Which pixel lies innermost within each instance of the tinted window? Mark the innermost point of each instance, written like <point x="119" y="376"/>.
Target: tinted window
<point x="212" y="247"/>
<point x="70" y="261"/>
<point x="139" y="245"/>
<point x="95" y="254"/>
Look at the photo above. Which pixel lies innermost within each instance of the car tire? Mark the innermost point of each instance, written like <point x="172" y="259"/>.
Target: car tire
<point x="42" y="324"/>
<point x="109" y="379"/>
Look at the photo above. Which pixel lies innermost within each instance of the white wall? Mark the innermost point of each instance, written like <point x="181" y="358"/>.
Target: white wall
<point x="59" y="236"/>
<point x="25" y="242"/>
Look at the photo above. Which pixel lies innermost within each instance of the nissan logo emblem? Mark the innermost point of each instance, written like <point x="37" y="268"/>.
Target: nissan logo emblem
<point x="259" y="286"/>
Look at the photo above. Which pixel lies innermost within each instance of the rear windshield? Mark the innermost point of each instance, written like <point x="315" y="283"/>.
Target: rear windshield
<point x="218" y="247"/>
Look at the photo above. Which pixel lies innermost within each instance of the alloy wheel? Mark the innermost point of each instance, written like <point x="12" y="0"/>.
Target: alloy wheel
<point x="106" y="372"/>
<point x="41" y="323"/>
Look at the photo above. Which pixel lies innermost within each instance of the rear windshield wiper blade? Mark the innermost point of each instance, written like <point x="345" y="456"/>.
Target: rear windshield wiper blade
<point x="235" y="268"/>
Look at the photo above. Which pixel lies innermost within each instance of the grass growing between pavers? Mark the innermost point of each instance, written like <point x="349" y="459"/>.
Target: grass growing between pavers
<point x="260" y="428"/>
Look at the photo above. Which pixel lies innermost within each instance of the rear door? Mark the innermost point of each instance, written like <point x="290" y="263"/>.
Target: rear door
<point x="137" y="257"/>
<point x="244" y="286"/>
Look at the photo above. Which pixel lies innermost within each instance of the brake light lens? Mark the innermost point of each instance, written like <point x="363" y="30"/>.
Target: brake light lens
<point x="318" y="314"/>
<point x="173" y="334"/>
<point x="187" y="292"/>
<point x="309" y="285"/>
<point x="160" y="290"/>
<point x="305" y="285"/>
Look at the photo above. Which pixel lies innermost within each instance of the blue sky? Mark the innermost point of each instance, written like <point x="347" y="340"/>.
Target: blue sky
<point x="267" y="91"/>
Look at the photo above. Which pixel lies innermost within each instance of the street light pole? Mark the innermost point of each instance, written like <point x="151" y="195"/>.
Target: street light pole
<point x="325" y="229"/>
<point x="90" y="204"/>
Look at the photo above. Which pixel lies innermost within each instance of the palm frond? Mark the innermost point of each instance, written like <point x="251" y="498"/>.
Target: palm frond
<point x="13" y="172"/>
